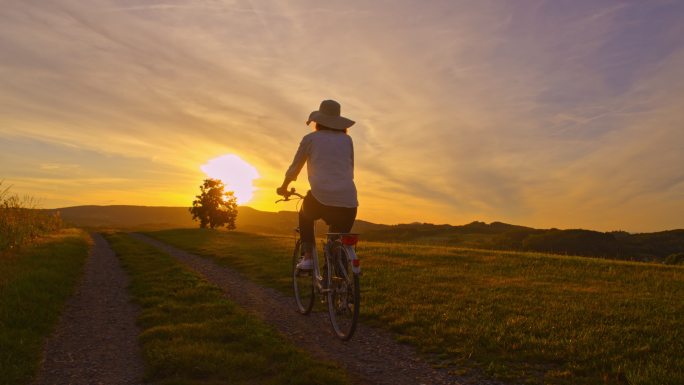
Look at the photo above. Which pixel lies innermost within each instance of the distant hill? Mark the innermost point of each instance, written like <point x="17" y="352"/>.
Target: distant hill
<point x="126" y="217"/>
<point x="502" y="236"/>
<point x="496" y="235"/>
<point x="156" y="217"/>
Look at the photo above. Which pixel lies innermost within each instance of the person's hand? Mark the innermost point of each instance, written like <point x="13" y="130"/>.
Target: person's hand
<point x="282" y="190"/>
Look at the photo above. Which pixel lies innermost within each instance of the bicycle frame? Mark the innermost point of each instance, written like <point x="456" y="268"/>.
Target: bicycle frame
<point x="318" y="278"/>
<point x="349" y="251"/>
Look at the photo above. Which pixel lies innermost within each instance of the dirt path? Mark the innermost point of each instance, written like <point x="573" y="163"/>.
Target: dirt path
<point x="96" y="339"/>
<point x="371" y="357"/>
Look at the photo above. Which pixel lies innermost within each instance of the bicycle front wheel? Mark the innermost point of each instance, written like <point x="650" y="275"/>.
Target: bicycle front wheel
<point x="344" y="297"/>
<point x="302" y="283"/>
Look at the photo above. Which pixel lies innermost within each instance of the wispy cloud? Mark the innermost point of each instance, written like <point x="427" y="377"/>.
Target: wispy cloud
<point x="536" y="112"/>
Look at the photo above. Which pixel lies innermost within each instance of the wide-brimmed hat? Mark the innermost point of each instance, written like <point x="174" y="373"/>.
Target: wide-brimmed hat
<point x="328" y="114"/>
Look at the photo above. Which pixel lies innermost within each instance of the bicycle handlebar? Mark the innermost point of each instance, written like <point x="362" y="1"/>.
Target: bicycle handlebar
<point x="289" y="194"/>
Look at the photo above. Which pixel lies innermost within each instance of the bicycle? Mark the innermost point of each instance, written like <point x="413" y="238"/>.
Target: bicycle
<point x="339" y="283"/>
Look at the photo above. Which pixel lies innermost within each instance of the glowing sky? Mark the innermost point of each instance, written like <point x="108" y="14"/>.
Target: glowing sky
<point x="559" y="113"/>
<point x="238" y="175"/>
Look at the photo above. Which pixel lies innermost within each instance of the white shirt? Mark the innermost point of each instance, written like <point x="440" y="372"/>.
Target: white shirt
<point x="329" y="156"/>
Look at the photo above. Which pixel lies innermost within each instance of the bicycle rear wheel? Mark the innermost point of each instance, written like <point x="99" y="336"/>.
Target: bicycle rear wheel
<point x="344" y="297"/>
<point x="302" y="283"/>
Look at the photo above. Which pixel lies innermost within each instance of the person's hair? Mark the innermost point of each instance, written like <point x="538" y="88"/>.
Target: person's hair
<point x="325" y="128"/>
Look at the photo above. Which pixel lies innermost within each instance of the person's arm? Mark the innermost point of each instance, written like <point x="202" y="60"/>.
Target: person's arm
<point x="296" y="167"/>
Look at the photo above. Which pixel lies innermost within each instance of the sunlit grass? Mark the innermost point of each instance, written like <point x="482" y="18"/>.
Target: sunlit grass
<point x="34" y="285"/>
<point x="191" y="334"/>
<point x="541" y="318"/>
<point x="526" y="315"/>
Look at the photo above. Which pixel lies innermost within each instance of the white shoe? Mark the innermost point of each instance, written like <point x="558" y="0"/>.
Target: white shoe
<point x="305" y="264"/>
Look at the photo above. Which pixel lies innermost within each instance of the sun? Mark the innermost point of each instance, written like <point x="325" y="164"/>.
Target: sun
<point x="236" y="174"/>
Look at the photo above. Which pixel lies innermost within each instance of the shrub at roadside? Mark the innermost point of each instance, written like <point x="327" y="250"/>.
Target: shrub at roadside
<point x="675" y="259"/>
<point x="21" y="221"/>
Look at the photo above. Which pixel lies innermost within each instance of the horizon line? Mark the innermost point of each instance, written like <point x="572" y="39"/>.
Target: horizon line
<point x="386" y="224"/>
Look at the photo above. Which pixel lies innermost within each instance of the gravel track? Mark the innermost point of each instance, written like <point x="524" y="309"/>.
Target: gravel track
<point x="96" y="339"/>
<point x="371" y="357"/>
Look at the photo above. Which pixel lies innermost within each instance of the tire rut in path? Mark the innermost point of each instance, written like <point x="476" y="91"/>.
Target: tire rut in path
<point x="371" y="357"/>
<point x="96" y="338"/>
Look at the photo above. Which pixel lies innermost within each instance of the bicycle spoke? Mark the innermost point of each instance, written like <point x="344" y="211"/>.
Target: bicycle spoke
<point x="343" y="298"/>
<point x="302" y="283"/>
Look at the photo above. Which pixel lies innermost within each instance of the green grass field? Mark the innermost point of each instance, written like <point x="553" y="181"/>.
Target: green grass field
<point x="191" y="334"/>
<point x="532" y="317"/>
<point x="34" y="285"/>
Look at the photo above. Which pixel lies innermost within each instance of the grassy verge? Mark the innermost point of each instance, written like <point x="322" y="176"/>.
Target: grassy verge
<point x="532" y="317"/>
<point x="192" y="335"/>
<point x="34" y="284"/>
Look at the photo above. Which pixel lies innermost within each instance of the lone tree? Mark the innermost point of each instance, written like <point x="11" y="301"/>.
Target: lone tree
<point x="214" y="207"/>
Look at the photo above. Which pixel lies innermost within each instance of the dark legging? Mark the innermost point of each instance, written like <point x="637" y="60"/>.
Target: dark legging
<point x="339" y="219"/>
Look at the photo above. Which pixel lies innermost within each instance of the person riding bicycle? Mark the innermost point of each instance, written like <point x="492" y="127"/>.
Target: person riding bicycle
<point x="329" y="155"/>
